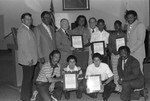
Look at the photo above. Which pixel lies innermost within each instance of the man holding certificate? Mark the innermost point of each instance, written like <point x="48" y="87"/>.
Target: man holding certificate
<point x="101" y="35"/>
<point x="73" y="78"/>
<point x="106" y="75"/>
<point x="116" y="39"/>
<point x="63" y="42"/>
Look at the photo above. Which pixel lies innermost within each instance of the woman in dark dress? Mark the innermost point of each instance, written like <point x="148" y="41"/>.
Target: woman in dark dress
<point x="82" y="54"/>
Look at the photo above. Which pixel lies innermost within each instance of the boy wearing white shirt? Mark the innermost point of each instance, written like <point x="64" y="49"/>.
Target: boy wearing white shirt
<point x="100" y="68"/>
<point x="101" y="35"/>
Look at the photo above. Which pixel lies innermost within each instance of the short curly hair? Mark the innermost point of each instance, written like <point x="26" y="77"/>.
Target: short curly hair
<point x="98" y="56"/>
<point x="71" y="57"/>
<point x="126" y="48"/>
<point x="54" y="52"/>
<point x="131" y="12"/>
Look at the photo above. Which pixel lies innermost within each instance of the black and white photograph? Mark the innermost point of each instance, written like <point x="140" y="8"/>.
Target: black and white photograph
<point x="74" y="50"/>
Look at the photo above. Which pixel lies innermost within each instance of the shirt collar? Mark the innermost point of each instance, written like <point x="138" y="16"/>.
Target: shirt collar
<point x="63" y="30"/>
<point x="134" y="23"/>
<point x="26" y="26"/>
<point x="75" y="69"/>
<point x="44" y="25"/>
<point x="125" y="60"/>
<point x="102" y="31"/>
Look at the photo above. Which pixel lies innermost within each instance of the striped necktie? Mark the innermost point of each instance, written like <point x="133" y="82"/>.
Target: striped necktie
<point x="67" y="35"/>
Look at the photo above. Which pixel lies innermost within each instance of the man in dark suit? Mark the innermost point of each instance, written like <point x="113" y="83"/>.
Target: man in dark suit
<point x="45" y="37"/>
<point x="130" y="75"/>
<point x="63" y="42"/>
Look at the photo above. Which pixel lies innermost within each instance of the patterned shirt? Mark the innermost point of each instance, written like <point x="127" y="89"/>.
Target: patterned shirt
<point x="48" y="72"/>
<point x="76" y="70"/>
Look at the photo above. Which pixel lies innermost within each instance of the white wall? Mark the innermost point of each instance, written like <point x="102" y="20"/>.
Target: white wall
<point x="109" y="10"/>
<point x="142" y="8"/>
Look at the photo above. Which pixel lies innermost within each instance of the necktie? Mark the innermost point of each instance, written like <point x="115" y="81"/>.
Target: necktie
<point x="123" y="63"/>
<point x="67" y="34"/>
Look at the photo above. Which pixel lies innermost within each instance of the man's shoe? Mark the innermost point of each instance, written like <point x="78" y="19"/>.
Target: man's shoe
<point x="33" y="98"/>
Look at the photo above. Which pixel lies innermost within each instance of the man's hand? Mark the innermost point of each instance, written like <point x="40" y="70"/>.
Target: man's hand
<point x="58" y="79"/>
<point x="103" y="84"/>
<point x="31" y="63"/>
<point x="120" y="81"/>
<point x="72" y="48"/>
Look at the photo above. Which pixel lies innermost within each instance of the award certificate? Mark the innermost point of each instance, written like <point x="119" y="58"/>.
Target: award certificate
<point x="94" y="84"/>
<point x="120" y="42"/>
<point x="70" y="81"/>
<point x="98" y="47"/>
<point x="77" y="41"/>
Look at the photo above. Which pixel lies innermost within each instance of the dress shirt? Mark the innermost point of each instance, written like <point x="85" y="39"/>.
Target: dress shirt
<point x="123" y="63"/>
<point x="48" y="30"/>
<point x="93" y="30"/>
<point x="100" y="36"/>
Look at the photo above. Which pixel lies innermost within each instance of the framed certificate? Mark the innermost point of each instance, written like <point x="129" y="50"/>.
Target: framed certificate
<point x="98" y="47"/>
<point x="120" y="42"/>
<point x="70" y="81"/>
<point x="77" y="41"/>
<point x="94" y="84"/>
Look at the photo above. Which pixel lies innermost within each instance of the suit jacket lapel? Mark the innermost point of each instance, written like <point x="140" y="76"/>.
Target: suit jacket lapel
<point x="136" y="23"/>
<point x="52" y="31"/>
<point x="44" y="32"/>
<point x="64" y="35"/>
<point x="127" y="63"/>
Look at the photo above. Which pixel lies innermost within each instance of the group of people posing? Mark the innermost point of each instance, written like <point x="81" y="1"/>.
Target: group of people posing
<point x="51" y="51"/>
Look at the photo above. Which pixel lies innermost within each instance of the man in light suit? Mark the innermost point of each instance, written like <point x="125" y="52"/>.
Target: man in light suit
<point x="130" y="75"/>
<point x="45" y="37"/>
<point x="63" y="42"/>
<point x="93" y="28"/>
<point x="27" y="55"/>
<point x="136" y="32"/>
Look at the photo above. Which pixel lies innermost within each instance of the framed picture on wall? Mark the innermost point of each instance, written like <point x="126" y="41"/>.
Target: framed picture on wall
<point x="75" y="4"/>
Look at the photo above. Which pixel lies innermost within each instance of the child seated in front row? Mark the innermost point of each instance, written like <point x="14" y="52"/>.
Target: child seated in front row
<point x="72" y="68"/>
